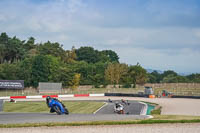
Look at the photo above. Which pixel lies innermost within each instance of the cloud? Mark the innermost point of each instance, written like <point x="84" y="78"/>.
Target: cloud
<point x="185" y="61"/>
<point x="157" y="34"/>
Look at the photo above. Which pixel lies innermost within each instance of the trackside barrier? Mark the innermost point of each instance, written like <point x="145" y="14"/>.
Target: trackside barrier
<point x="81" y="95"/>
<point x="125" y="95"/>
<point x="193" y="97"/>
<point x="33" y="97"/>
<point x="4" y="98"/>
<point x="65" y="96"/>
<point x="97" y="95"/>
<point x="17" y="97"/>
<point x="56" y="96"/>
<point x="90" y="95"/>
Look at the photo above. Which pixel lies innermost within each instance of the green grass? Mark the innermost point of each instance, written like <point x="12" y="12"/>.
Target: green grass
<point x="97" y="123"/>
<point x="41" y="107"/>
<point x="175" y="117"/>
<point x="157" y="110"/>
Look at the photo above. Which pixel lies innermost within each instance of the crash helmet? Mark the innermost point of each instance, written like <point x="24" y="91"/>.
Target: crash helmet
<point x="48" y="98"/>
<point x="117" y="103"/>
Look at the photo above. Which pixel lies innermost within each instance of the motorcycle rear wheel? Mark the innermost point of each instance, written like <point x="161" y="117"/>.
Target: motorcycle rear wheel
<point x="57" y="110"/>
<point x="121" y="112"/>
<point x="66" y="111"/>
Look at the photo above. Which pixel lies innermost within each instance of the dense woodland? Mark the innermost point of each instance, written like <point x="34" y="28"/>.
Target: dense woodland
<point x="49" y="62"/>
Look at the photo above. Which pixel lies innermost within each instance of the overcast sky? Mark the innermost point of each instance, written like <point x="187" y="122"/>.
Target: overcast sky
<point x="159" y="34"/>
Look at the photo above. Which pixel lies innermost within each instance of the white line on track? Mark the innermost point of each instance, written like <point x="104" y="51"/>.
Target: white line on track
<point x="144" y="109"/>
<point x="101" y="107"/>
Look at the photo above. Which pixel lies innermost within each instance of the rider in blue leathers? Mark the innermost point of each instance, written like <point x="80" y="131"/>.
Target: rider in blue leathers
<point x="56" y="106"/>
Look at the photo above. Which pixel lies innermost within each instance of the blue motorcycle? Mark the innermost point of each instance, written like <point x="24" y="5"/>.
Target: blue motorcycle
<point x="56" y="106"/>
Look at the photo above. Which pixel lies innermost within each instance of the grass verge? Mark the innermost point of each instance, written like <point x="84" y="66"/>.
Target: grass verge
<point x="98" y="123"/>
<point x="175" y="117"/>
<point x="81" y="107"/>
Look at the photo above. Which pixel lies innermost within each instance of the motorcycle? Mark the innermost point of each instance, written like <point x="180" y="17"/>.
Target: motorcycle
<point x="56" y="106"/>
<point x="119" y="108"/>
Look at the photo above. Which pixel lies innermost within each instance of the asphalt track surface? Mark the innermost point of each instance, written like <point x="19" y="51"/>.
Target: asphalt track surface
<point x="130" y="107"/>
<point x="106" y="113"/>
<point x="1" y="105"/>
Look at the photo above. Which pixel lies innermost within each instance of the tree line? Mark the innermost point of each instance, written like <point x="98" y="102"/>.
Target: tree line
<point x="49" y="62"/>
<point x="172" y="77"/>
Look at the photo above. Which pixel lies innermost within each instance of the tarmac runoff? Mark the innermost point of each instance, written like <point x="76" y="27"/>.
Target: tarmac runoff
<point x="105" y="113"/>
<point x="1" y="105"/>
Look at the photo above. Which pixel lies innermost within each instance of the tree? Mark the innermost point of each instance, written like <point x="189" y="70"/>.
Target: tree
<point x="11" y="49"/>
<point x="2" y="53"/>
<point x="154" y="77"/>
<point x="194" y="78"/>
<point x="115" y="71"/>
<point x="87" y="54"/>
<point x="40" y="70"/>
<point x="44" y="69"/>
<point x="170" y="78"/>
<point x="112" y="56"/>
<point x="75" y="81"/>
<point x="182" y="79"/>
<point x="98" y="74"/>
<point x="70" y="55"/>
<point x="9" y="71"/>
<point x="30" y="44"/>
<point x="25" y="71"/>
<point x="3" y="43"/>
<point x="90" y="55"/>
<point x="54" y="49"/>
<point x="64" y="75"/>
<point x="169" y="72"/>
<point x="137" y="74"/>
<point x="110" y="73"/>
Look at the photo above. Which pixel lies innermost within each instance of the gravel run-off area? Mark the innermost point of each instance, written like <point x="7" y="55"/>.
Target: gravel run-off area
<point x="147" y="128"/>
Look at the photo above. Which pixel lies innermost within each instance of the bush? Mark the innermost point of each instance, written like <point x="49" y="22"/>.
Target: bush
<point x="127" y="86"/>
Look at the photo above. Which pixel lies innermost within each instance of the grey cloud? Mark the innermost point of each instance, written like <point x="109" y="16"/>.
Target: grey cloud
<point x="158" y="41"/>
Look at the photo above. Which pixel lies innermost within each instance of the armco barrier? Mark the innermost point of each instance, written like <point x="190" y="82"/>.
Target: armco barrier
<point x="125" y="95"/>
<point x="193" y="97"/>
<point x="56" y="96"/>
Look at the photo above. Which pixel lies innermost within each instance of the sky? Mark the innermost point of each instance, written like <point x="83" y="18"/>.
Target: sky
<point x="159" y="34"/>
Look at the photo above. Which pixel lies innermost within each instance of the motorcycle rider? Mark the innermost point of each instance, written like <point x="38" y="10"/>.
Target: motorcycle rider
<point x="117" y="105"/>
<point x="53" y="102"/>
<point x="119" y="108"/>
<point x="48" y="100"/>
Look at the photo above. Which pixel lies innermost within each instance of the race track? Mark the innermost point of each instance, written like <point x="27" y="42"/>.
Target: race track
<point x="104" y="114"/>
<point x="134" y="108"/>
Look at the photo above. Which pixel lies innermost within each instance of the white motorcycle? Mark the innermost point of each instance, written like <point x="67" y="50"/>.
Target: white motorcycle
<point x="119" y="108"/>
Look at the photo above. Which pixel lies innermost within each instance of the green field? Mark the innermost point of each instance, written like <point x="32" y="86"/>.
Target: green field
<point x="41" y="107"/>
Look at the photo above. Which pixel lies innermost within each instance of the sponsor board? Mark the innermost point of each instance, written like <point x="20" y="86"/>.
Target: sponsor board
<point x="11" y="84"/>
